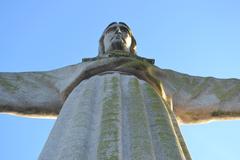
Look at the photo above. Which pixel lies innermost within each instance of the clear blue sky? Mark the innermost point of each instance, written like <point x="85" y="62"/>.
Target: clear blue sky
<point x="199" y="37"/>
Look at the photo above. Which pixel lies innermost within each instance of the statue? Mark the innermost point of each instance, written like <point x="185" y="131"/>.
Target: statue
<point x="117" y="105"/>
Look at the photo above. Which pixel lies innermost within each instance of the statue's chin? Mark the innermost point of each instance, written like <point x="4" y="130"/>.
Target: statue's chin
<point x="118" y="45"/>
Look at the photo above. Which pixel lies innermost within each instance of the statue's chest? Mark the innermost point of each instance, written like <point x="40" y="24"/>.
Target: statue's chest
<point x="115" y="116"/>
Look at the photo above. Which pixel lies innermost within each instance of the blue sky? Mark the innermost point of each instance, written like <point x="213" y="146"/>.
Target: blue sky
<point x="195" y="37"/>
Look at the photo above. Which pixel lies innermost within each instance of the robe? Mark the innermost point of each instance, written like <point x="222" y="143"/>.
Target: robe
<point x="115" y="116"/>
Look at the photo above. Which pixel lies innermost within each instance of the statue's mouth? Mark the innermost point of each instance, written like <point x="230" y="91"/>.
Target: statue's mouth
<point x="118" y="37"/>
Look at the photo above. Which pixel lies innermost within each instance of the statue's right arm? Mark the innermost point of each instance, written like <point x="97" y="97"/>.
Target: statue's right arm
<point x="36" y="94"/>
<point x="29" y="94"/>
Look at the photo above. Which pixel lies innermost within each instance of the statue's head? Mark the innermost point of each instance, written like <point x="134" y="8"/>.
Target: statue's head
<point x="117" y="37"/>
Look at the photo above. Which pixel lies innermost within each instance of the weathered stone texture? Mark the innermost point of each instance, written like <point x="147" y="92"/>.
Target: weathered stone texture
<point x="114" y="116"/>
<point x="194" y="99"/>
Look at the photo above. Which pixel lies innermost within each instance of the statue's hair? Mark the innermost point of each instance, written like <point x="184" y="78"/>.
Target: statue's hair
<point x="101" y="46"/>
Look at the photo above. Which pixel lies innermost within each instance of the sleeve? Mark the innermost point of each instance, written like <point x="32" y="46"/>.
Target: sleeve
<point x="200" y="99"/>
<point x="39" y="94"/>
<point x="29" y="94"/>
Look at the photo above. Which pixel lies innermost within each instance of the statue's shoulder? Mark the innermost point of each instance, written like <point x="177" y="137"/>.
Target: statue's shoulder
<point x="119" y="54"/>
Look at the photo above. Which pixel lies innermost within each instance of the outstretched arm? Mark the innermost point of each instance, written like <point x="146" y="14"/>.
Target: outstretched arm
<point x="39" y="94"/>
<point x="199" y="99"/>
<point x="29" y="94"/>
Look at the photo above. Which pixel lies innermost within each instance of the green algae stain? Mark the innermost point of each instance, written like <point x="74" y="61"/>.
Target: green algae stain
<point x="230" y="93"/>
<point x="19" y="78"/>
<point x="163" y="126"/>
<point x="219" y="91"/>
<point x="183" y="81"/>
<point x="136" y="64"/>
<point x="196" y="85"/>
<point x="108" y="148"/>
<point x="220" y="113"/>
<point x="201" y="87"/>
<point x="46" y="76"/>
<point x="141" y="146"/>
<point x="7" y="85"/>
<point x="223" y="94"/>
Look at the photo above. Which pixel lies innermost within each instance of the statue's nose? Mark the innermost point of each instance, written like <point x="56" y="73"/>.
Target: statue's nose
<point x="118" y="31"/>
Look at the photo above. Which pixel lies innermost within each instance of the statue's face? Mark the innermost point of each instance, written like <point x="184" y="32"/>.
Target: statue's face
<point x="117" y="37"/>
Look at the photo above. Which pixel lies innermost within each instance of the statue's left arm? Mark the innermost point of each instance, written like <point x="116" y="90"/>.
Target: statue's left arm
<point x="199" y="99"/>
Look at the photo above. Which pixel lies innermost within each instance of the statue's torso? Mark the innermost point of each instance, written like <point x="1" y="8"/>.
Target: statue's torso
<point x="114" y="116"/>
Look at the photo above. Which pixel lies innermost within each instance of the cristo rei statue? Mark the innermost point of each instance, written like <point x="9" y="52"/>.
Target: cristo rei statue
<point x="117" y="106"/>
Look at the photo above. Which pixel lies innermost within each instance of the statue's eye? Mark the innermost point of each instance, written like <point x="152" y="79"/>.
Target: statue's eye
<point x="124" y="29"/>
<point x="111" y="29"/>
